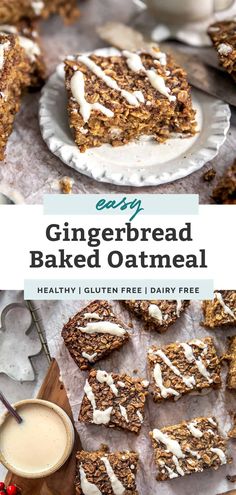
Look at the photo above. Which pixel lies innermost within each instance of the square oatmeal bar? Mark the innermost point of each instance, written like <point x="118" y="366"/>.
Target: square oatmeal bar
<point x="221" y="311"/>
<point x="158" y="315"/>
<point x="102" y="472"/>
<point x="116" y="99"/>
<point x="187" y="448"/>
<point x="93" y="333"/>
<point x="231" y="379"/>
<point x="28" y="36"/>
<point x="181" y="368"/>
<point x="114" y="400"/>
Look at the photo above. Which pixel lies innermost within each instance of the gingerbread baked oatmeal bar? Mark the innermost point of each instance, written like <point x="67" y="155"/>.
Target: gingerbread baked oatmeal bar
<point x="93" y="333"/>
<point x="12" y="11"/>
<point x="221" y="311"/>
<point x="118" y="98"/>
<point x="223" y="36"/>
<point x="108" y="473"/>
<point x="187" y="448"/>
<point x="14" y="77"/>
<point x="181" y="368"/>
<point x="231" y="379"/>
<point x="113" y="400"/>
<point x="157" y="314"/>
<point x="28" y="36"/>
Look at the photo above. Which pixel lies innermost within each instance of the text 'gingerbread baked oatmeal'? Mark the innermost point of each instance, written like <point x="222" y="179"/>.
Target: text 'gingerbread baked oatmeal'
<point x="14" y="77"/>
<point x="118" y="98"/>
<point x="187" y="448"/>
<point x="105" y="473"/>
<point x="223" y="36"/>
<point x="221" y="311"/>
<point x="93" y="333"/>
<point x="113" y="400"/>
<point x="12" y="11"/>
<point x="157" y="314"/>
<point x="28" y="37"/>
<point x="181" y="368"/>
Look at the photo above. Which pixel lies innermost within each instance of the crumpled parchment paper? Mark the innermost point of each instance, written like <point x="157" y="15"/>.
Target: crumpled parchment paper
<point x="133" y="357"/>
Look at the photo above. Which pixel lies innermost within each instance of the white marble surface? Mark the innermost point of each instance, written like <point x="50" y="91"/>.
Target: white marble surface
<point x="32" y="169"/>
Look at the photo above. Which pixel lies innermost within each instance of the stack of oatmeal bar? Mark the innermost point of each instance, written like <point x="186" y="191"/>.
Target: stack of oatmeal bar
<point x="117" y="400"/>
<point x="21" y="61"/>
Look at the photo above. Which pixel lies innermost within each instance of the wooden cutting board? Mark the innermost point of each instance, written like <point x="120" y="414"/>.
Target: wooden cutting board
<point x="61" y="482"/>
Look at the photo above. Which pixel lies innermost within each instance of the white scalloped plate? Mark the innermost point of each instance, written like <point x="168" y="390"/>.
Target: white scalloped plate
<point x="140" y="163"/>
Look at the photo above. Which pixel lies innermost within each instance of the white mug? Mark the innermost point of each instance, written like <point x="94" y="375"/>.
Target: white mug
<point x="181" y="11"/>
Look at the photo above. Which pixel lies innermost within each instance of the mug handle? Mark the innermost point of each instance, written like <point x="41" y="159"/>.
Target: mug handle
<point x="222" y="4"/>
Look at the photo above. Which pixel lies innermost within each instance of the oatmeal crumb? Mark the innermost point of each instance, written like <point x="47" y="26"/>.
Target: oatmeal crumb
<point x="209" y="175"/>
<point x="66" y="184"/>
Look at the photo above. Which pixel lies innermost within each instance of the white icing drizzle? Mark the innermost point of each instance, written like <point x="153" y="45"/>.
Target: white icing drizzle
<point x="117" y="487"/>
<point x="89" y="357"/>
<point x="31" y="48"/>
<point x="87" y="487"/>
<point x="6" y="28"/>
<point x="213" y="423"/>
<point x="158" y="83"/>
<point x="172" y="445"/>
<point x="140" y="416"/>
<point x="194" y="430"/>
<point x="135" y="64"/>
<point x="214" y="29"/>
<point x="199" y="343"/>
<point x="134" y="61"/>
<point x="37" y="6"/>
<point x="188" y="352"/>
<point x="139" y="96"/>
<point x="178" y="308"/>
<point x="91" y="316"/>
<point x="226" y="308"/>
<point x="177" y="465"/>
<point x="158" y="379"/>
<point x="155" y="312"/>
<point x="189" y="381"/>
<point x="99" y="417"/>
<point x="160" y="56"/>
<point x="103" y="327"/>
<point x="145" y="383"/>
<point x="220" y="454"/>
<point x="124" y="413"/>
<point x="109" y="81"/>
<point x="210" y="431"/>
<point x="3" y="47"/>
<point x="78" y="92"/>
<point x="104" y="377"/>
